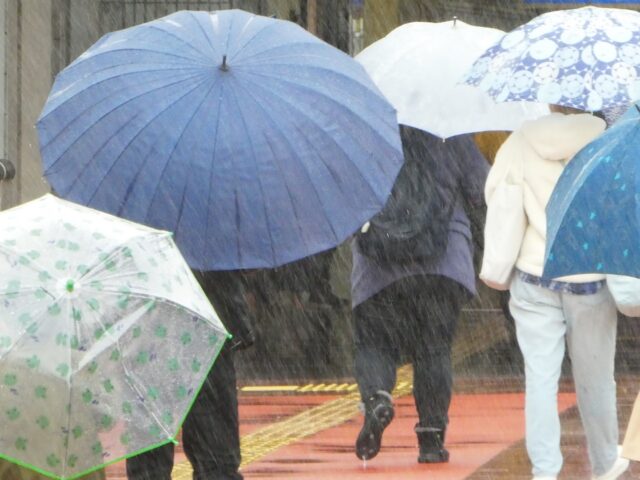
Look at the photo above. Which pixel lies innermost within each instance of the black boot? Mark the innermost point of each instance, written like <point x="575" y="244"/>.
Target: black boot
<point x="378" y="413"/>
<point x="431" y="441"/>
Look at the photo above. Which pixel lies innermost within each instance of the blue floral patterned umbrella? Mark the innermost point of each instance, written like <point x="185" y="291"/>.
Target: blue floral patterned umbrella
<point x="593" y="216"/>
<point x="586" y="58"/>
<point x="255" y="142"/>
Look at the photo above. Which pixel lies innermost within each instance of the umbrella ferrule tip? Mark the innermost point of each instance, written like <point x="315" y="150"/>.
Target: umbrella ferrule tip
<point x="224" y="67"/>
<point x="70" y="286"/>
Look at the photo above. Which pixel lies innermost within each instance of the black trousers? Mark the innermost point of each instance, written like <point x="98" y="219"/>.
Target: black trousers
<point x="209" y="434"/>
<point x="414" y="317"/>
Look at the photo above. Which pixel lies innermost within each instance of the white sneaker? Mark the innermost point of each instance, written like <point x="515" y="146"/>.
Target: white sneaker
<point x="545" y="478"/>
<point x="618" y="468"/>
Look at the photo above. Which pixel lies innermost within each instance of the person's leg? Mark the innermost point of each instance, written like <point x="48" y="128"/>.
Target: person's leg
<point x="155" y="464"/>
<point x="376" y="357"/>
<point x="437" y="307"/>
<point x="210" y="432"/>
<point x="376" y="354"/>
<point x="540" y="329"/>
<point x="591" y="339"/>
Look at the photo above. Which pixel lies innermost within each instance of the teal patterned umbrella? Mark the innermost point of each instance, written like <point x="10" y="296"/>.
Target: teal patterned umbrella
<point x="105" y="338"/>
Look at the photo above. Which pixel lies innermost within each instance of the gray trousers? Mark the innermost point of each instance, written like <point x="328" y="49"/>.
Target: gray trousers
<point x="545" y="320"/>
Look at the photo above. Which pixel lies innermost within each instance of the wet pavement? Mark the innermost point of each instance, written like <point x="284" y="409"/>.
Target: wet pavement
<point x="308" y="431"/>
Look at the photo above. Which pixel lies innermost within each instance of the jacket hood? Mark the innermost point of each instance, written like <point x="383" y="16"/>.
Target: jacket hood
<point x="559" y="137"/>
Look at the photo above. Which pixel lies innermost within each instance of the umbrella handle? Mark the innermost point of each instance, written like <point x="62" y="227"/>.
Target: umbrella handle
<point x="224" y="67"/>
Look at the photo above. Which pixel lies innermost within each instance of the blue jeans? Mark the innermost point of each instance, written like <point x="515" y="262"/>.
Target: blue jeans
<point x="544" y="320"/>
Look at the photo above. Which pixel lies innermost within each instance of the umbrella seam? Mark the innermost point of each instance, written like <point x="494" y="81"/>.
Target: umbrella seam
<point x="48" y="170"/>
<point x="213" y="157"/>
<point x="326" y="97"/>
<point x="81" y="61"/>
<point x="363" y="148"/>
<point x="152" y="26"/>
<point x="318" y="155"/>
<point x="117" y="92"/>
<point x="187" y="124"/>
<point x="363" y="82"/>
<point x="124" y="149"/>
<point x="274" y="23"/>
<point x="193" y="15"/>
<point x="258" y="178"/>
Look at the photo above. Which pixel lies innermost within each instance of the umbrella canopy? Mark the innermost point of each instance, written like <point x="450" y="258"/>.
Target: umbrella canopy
<point x="418" y="66"/>
<point x="251" y="139"/>
<point x="587" y="58"/>
<point x="105" y="337"/>
<point x="593" y="215"/>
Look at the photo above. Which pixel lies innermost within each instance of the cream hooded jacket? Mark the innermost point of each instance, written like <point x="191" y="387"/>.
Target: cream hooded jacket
<point x="543" y="147"/>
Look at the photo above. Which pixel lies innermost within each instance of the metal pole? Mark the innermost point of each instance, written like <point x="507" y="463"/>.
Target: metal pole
<point x="312" y="16"/>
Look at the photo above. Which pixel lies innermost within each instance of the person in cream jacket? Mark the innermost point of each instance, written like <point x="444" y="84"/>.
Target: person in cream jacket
<point x="578" y="310"/>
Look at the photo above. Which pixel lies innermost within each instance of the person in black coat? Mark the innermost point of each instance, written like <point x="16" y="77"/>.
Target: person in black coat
<point x="210" y="435"/>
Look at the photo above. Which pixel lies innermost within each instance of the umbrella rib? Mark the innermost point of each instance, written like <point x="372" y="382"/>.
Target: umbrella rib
<point x="204" y="33"/>
<point x="131" y="49"/>
<point x="305" y="42"/>
<point x="22" y="335"/>
<point x="141" y="131"/>
<point x="184" y="129"/>
<point x="70" y="385"/>
<point x="127" y="101"/>
<point x="90" y="106"/>
<point x="290" y="196"/>
<point x="90" y="162"/>
<point x="130" y="375"/>
<point x="368" y="85"/>
<point x="31" y="264"/>
<point x="315" y="189"/>
<point x="124" y="367"/>
<point x="326" y="97"/>
<point x="81" y="171"/>
<point x="306" y="114"/>
<point x="262" y="190"/>
<point x="182" y="40"/>
<point x="274" y="24"/>
<point x="215" y="146"/>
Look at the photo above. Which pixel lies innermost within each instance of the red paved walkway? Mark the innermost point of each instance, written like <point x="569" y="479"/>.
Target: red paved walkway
<point x="482" y="425"/>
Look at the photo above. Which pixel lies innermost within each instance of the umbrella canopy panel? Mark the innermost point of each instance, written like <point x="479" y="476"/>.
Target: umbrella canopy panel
<point x="251" y="139"/>
<point x="418" y="67"/>
<point x="105" y="337"/>
<point x="593" y="216"/>
<point x="587" y="58"/>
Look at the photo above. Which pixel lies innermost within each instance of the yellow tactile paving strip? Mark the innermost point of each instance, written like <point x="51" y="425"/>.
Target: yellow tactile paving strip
<point x="330" y="414"/>
<point x="309" y="388"/>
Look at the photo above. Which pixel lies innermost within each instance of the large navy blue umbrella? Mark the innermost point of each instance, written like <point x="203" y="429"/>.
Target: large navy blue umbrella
<point x="253" y="141"/>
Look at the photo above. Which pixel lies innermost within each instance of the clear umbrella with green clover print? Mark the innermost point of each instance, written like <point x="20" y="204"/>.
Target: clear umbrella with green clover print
<point x="105" y="338"/>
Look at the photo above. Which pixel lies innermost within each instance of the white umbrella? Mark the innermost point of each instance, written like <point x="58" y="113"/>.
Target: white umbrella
<point x="418" y="67"/>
